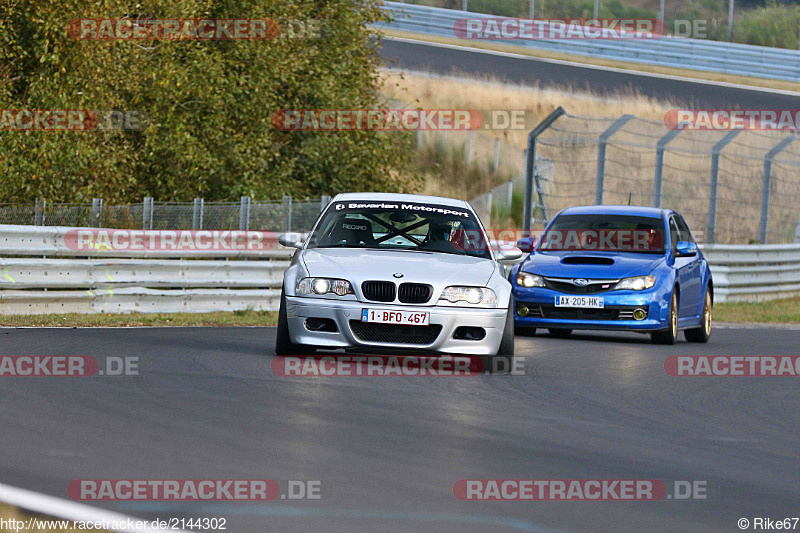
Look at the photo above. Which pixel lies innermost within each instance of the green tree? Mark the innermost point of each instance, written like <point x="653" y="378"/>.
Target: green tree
<point x="208" y="104"/>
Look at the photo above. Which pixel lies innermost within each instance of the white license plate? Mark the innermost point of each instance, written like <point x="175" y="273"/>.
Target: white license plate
<point x="383" y="316"/>
<point x="590" y="302"/>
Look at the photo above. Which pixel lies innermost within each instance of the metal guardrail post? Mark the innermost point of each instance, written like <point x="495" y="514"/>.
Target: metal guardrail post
<point x="469" y="147"/>
<point x="530" y="164"/>
<point x="766" y="186"/>
<point x="97" y="211"/>
<point x="197" y="214"/>
<point x="712" y="196"/>
<point x="244" y="213"/>
<point x="602" y="142"/>
<point x="496" y="153"/>
<point x="323" y="202"/>
<point x="287" y="200"/>
<point x="658" y="183"/>
<point x="38" y="212"/>
<point x="147" y="213"/>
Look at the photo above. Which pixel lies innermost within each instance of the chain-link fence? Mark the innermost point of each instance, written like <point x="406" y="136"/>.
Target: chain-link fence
<point x="739" y="186"/>
<point x="287" y="214"/>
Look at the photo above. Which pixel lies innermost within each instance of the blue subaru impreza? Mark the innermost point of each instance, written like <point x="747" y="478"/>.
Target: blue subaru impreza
<point x="615" y="268"/>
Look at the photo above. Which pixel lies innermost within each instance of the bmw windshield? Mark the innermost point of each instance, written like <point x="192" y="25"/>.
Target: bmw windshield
<point x="401" y="226"/>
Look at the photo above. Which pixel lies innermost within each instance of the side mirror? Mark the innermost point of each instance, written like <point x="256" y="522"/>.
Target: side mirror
<point x="291" y="240"/>
<point x="508" y="253"/>
<point x="526" y="244"/>
<point x="685" y="249"/>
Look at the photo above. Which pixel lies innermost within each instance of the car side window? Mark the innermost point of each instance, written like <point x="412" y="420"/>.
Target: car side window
<point x="686" y="235"/>
<point x="674" y="233"/>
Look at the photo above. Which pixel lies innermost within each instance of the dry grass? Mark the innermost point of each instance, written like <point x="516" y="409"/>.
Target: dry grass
<point x="444" y="92"/>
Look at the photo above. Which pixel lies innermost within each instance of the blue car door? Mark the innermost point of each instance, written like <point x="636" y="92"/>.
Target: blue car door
<point x="688" y="271"/>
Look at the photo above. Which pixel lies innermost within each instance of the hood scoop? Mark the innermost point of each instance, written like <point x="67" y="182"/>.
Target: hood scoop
<point x="587" y="260"/>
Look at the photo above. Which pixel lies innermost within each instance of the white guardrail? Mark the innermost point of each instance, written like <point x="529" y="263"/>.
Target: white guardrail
<point x="678" y="52"/>
<point x="40" y="273"/>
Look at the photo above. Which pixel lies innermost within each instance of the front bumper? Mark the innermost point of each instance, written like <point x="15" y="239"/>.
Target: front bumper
<point x="616" y="303"/>
<point x="298" y="309"/>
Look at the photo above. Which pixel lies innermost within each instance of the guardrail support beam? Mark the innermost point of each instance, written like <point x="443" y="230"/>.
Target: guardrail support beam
<point x="530" y="161"/>
<point x="601" y="156"/>
<point x="712" y="196"/>
<point x="767" y="185"/>
<point x="659" y="178"/>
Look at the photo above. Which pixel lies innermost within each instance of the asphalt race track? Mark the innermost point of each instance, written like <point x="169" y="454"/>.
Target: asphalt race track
<point x="388" y="450"/>
<point x="418" y="56"/>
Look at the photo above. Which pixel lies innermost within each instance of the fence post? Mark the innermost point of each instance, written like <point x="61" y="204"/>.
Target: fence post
<point x="287" y="201"/>
<point x="660" y="146"/>
<point x="797" y="232"/>
<point x="419" y="138"/>
<point x="197" y="214"/>
<point x="444" y="141"/>
<point x="530" y="165"/>
<point x="712" y="196"/>
<point x="496" y="153"/>
<point x="38" y="212"/>
<point x="469" y="147"/>
<point x="766" y="185"/>
<point x="323" y="202"/>
<point x="601" y="156"/>
<point x="147" y="213"/>
<point x="244" y="213"/>
<point x="97" y="211"/>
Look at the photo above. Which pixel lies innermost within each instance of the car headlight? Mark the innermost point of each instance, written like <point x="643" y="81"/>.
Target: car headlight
<point x="321" y="286"/>
<point x="529" y="280"/>
<point x="471" y="295"/>
<point x="639" y="283"/>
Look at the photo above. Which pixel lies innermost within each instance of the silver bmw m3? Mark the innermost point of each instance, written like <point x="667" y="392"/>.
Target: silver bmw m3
<point x="397" y="272"/>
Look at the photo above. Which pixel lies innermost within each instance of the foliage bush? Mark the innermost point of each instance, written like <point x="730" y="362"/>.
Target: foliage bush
<point x="208" y="104"/>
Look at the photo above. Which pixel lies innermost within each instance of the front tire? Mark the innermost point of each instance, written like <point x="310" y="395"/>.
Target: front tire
<point x="283" y="342"/>
<point x="501" y="362"/>
<point x="703" y="333"/>
<point x="669" y="335"/>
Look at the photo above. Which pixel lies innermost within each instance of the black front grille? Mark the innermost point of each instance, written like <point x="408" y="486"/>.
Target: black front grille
<point x="395" y="333"/>
<point x="378" y="291"/>
<point x="569" y="288"/>
<point x="573" y="313"/>
<point x="414" y="293"/>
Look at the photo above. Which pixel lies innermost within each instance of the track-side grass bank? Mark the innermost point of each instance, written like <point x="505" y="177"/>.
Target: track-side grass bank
<point x="234" y="318"/>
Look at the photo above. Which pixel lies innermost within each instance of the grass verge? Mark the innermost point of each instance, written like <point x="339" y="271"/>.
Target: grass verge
<point x="587" y="60"/>
<point x="785" y="311"/>
<point x="9" y="512"/>
<point x="235" y="318"/>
